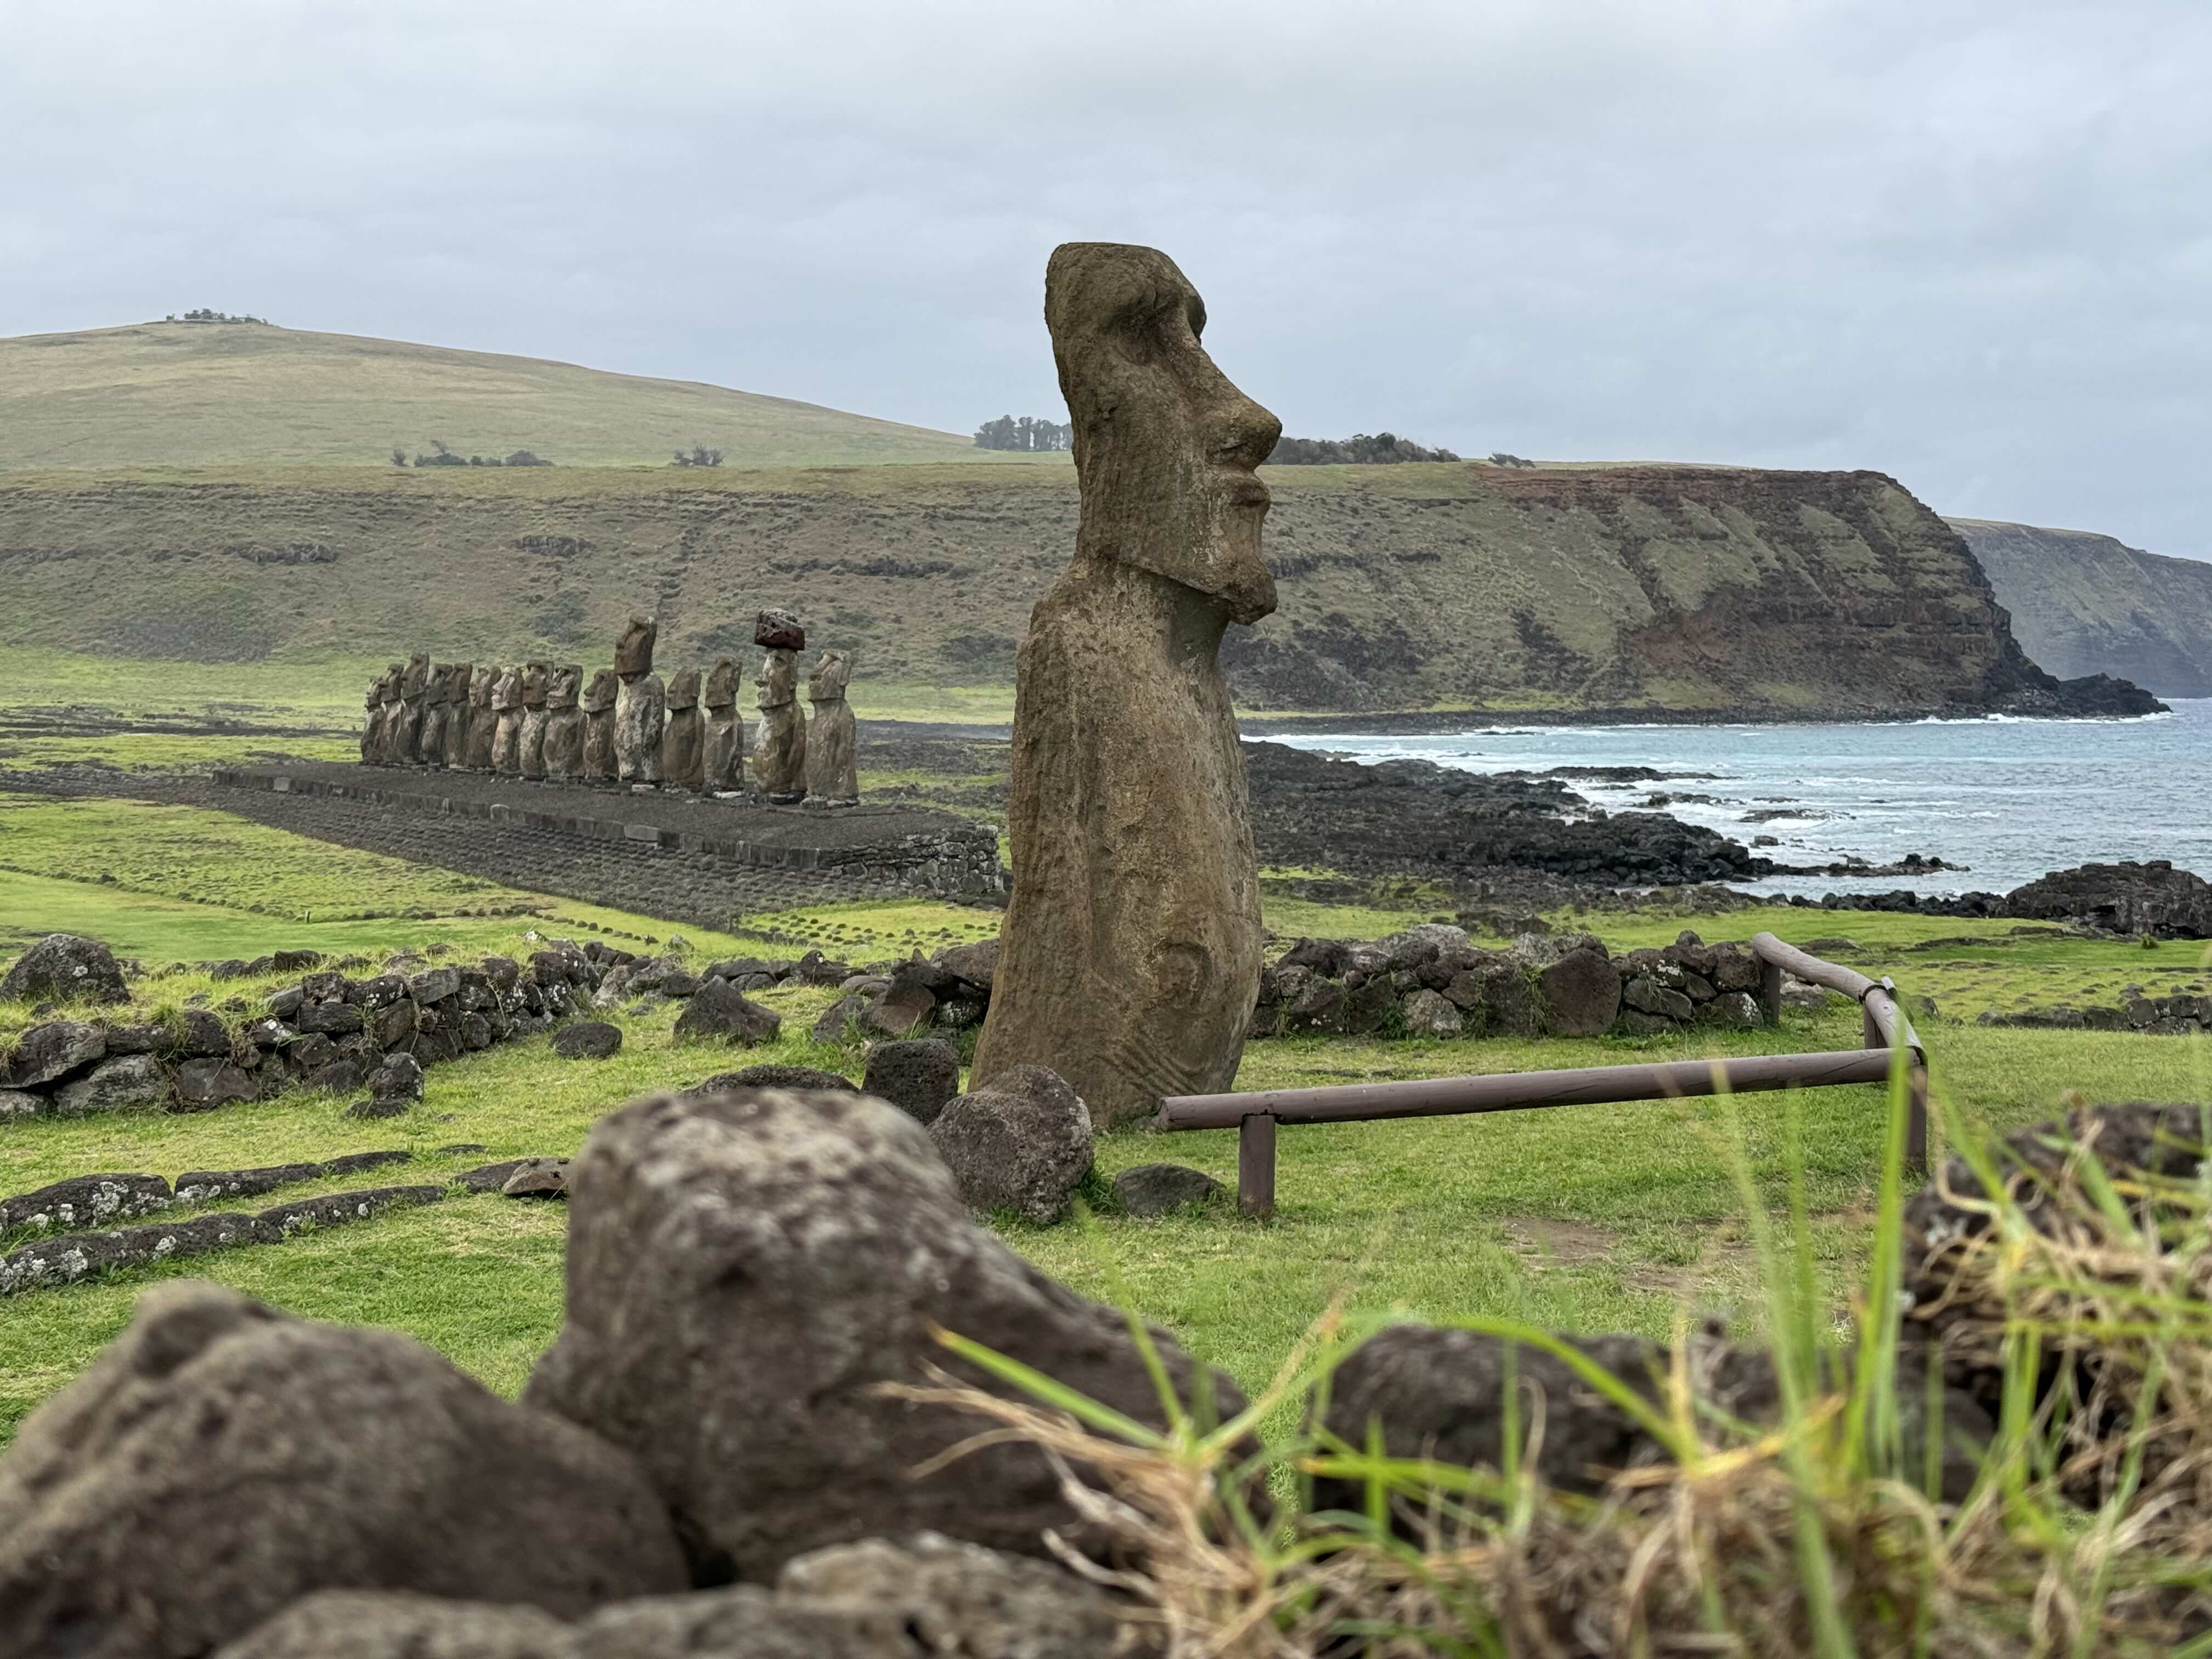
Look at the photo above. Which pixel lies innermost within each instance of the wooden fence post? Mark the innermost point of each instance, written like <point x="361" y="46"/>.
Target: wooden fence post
<point x="1769" y="990"/>
<point x="1256" y="1166"/>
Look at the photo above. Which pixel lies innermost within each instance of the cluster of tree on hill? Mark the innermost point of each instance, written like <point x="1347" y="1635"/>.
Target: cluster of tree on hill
<point x="1360" y="449"/>
<point x="442" y="454"/>
<point x="203" y="315"/>
<point x="699" y="456"/>
<point x="1030" y="433"/>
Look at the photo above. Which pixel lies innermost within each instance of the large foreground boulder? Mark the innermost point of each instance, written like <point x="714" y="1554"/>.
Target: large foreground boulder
<point x="928" y="1598"/>
<point x="221" y="1458"/>
<point x="746" y="1270"/>
<point x="1021" y="1144"/>
<point x="65" y="968"/>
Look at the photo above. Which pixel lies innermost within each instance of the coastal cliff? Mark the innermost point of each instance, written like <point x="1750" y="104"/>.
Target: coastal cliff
<point x="1611" y="592"/>
<point x="2086" y="604"/>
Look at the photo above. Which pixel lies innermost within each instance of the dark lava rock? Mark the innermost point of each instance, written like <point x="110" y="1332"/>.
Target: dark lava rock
<point x="835" y="1026"/>
<point x="1021" y="1143"/>
<point x="975" y="964"/>
<point x="2121" y="898"/>
<point x="64" y="968"/>
<point x="202" y="1034"/>
<point x="340" y="1076"/>
<point x="538" y="1177"/>
<point x="588" y="1039"/>
<point x="773" y="1077"/>
<point x="491" y="1177"/>
<point x="745" y="1270"/>
<point x="221" y="1460"/>
<point x="330" y="1018"/>
<point x="721" y="1013"/>
<point x="128" y="1083"/>
<point x="142" y="1038"/>
<point x="198" y="1185"/>
<point x="47" y="1053"/>
<point x="917" y="1075"/>
<point x="397" y="1078"/>
<point x="1581" y="993"/>
<point x="336" y="1209"/>
<point x="72" y="1257"/>
<point x="377" y="1106"/>
<point x="434" y="985"/>
<point x="357" y="1162"/>
<point x="1164" y="1189"/>
<point x="83" y="1201"/>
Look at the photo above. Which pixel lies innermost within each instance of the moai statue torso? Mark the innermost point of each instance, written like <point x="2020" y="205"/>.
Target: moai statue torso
<point x="390" y="713"/>
<point x="564" y="723"/>
<point x="1129" y="956"/>
<point x="430" y="736"/>
<point x="640" y="708"/>
<point x="483" y="719"/>
<point x="460" y="714"/>
<point x="537" y="682"/>
<point x="833" y="774"/>
<point x="412" y="680"/>
<point x="682" y="759"/>
<point x="506" y="741"/>
<point x="598" y="704"/>
<point x="780" y="744"/>
<point x="723" y="760"/>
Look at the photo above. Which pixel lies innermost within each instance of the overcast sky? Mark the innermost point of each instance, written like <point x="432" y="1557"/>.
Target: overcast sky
<point x="1968" y="242"/>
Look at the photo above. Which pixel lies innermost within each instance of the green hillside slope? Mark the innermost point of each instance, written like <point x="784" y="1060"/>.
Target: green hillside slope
<point x="2085" y="604"/>
<point x="1689" y="590"/>
<point x="195" y="394"/>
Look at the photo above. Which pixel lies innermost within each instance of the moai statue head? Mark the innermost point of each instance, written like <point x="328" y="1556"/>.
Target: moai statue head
<point x="634" y="650"/>
<point x="413" y="675"/>
<point x="392" y="676"/>
<point x="567" y="681"/>
<point x="375" y="697"/>
<point x="481" y="678"/>
<point x="721" y="687"/>
<point x="1165" y="447"/>
<point x="457" y="675"/>
<point x="599" y="696"/>
<point x="779" y="630"/>
<point x="506" y="693"/>
<point x="434" y="684"/>
<point x="684" y="688"/>
<point x="537" y="681"/>
<point x="778" y="679"/>
<point x="833" y="673"/>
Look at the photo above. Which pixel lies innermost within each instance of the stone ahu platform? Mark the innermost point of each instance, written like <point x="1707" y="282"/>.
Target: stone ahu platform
<point x="874" y="848"/>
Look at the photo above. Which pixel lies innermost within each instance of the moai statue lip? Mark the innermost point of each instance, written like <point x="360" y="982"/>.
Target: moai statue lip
<point x="1166" y="448"/>
<point x="779" y="630"/>
<point x="684" y="688"/>
<point x="634" y="648"/>
<point x="599" y="696"/>
<point x="721" y="687"/>
<point x="563" y="689"/>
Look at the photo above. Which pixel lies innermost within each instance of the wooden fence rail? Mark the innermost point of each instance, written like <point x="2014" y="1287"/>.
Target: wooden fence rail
<point x="1882" y="1024"/>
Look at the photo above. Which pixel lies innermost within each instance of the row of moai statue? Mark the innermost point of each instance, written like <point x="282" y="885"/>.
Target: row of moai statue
<point x="541" y="720"/>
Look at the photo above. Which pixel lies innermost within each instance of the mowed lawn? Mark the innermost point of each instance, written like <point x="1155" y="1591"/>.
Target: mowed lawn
<point x="1588" y="1219"/>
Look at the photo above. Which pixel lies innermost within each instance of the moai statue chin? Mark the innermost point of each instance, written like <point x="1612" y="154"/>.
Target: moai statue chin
<point x="537" y="682"/>
<point x="780" y="744"/>
<point x="394" y="712"/>
<point x="833" y="777"/>
<point x="507" y="740"/>
<point x="683" y="739"/>
<point x="1130" y="950"/>
<point x="460" y="714"/>
<point x="723" y="762"/>
<point x="483" y="718"/>
<point x="412" y="680"/>
<point x="598" y="704"/>
<point x="564" y="723"/>
<point x="641" y="706"/>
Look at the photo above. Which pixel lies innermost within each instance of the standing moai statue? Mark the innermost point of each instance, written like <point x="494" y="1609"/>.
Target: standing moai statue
<point x="537" y="682"/>
<point x="599" y="706"/>
<point x="506" y="741"/>
<point x="460" y="714"/>
<point x="387" y="723"/>
<point x="372" y="723"/>
<point x="1130" y="953"/>
<point x="683" y="739"/>
<point x="724" y="759"/>
<point x="430" y="735"/>
<point x="833" y="776"/>
<point x="640" y="708"/>
<point x="483" y="718"/>
<point x="412" y="680"/>
<point x="780" y="745"/>
<point x="564" y="723"/>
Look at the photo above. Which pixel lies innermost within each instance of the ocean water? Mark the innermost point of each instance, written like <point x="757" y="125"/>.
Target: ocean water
<point x="2009" y="798"/>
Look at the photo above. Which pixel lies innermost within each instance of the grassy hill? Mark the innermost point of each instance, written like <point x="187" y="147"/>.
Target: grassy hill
<point x="2086" y="604"/>
<point x="1689" y="590"/>
<point x="201" y="394"/>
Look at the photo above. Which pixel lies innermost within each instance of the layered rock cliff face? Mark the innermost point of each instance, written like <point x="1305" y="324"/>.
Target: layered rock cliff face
<point x="1683" y="591"/>
<point x="2086" y="604"/>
